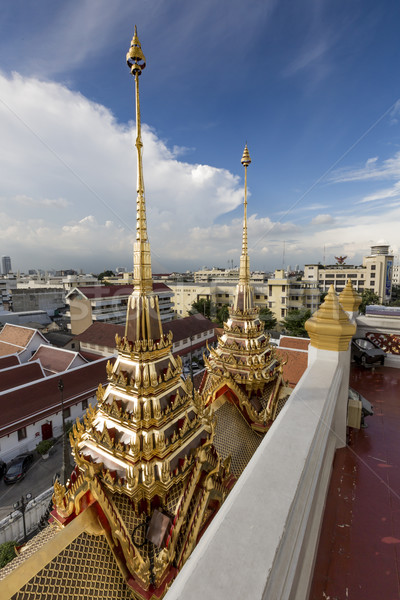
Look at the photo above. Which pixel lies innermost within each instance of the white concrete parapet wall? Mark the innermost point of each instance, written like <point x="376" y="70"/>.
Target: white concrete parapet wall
<point x="12" y="528"/>
<point x="262" y="542"/>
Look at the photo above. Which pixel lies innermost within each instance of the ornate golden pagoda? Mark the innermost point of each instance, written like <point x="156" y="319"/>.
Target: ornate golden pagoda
<point x="148" y="479"/>
<point x="244" y="367"/>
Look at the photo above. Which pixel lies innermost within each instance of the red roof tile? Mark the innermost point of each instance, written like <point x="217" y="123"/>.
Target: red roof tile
<point x="103" y="334"/>
<point x="295" y="366"/>
<point x="294" y="342"/>
<point x="53" y="359"/>
<point x="40" y="399"/>
<point x="17" y="335"/>
<point x="19" y="375"/>
<point x="15" y="338"/>
<point x="9" y="361"/>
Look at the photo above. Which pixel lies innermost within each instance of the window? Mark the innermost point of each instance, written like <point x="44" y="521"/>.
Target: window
<point x="282" y="312"/>
<point x="21" y="434"/>
<point x="84" y="404"/>
<point x="67" y="412"/>
<point x="257" y="296"/>
<point x="372" y="275"/>
<point x="373" y="267"/>
<point x="270" y="304"/>
<point x="283" y="288"/>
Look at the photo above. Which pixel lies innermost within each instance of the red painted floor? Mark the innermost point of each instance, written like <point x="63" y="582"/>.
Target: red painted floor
<point x="359" y="550"/>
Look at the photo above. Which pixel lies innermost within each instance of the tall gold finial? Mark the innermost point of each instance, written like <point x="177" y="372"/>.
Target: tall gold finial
<point x="244" y="272"/>
<point x="141" y="253"/>
<point x="143" y="320"/>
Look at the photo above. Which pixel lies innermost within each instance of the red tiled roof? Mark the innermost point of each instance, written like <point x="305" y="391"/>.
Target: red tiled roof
<point x="6" y="349"/>
<point x="19" y="375"/>
<point x="189" y="326"/>
<point x="107" y="291"/>
<point x="294" y="342"/>
<point x="9" y="361"/>
<point x="54" y="359"/>
<point x="16" y="335"/>
<point x="40" y="399"/>
<point x="15" y="338"/>
<point x="103" y="334"/>
<point x="295" y="366"/>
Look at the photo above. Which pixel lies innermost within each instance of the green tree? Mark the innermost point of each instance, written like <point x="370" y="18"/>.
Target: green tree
<point x="223" y="314"/>
<point x="7" y="553"/>
<point x="395" y="301"/>
<point x="105" y="274"/>
<point x="295" y="320"/>
<point x="322" y="297"/>
<point x="201" y="306"/>
<point x="368" y="297"/>
<point x="268" y="318"/>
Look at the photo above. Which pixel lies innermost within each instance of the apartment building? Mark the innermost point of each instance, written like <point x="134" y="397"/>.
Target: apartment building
<point x="286" y="294"/>
<point x="107" y="304"/>
<point x="375" y="274"/>
<point x="226" y="275"/>
<point x="279" y="293"/>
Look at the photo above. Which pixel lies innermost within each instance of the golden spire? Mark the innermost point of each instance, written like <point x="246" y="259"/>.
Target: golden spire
<point x="244" y="272"/>
<point x="142" y="279"/>
<point x="143" y="316"/>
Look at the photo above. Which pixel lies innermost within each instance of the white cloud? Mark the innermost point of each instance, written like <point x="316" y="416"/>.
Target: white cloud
<point x="322" y="220"/>
<point x="388" y="169"/>
<point x="68" y="198"/>
<point x="67" y="158"/>
<point x="392" y="192"/>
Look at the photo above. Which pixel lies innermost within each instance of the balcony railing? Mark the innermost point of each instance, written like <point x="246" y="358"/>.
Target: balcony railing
<point x="261" y="544"/>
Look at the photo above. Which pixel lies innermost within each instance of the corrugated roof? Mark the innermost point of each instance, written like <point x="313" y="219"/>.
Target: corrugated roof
<point x="40" y="399"/>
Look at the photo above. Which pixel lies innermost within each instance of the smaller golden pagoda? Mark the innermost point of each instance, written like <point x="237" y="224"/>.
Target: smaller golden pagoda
<point x="244" y="366"/>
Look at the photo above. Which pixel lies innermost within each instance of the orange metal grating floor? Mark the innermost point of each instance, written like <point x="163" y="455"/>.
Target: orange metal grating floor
<point x="359" y="550"/>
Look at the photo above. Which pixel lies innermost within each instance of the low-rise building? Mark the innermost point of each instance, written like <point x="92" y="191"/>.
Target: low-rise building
<point x="33" y="411"/>
<point x="375" y="274"/>
<point x="22" y="341"/>
<point x="28" y="299"/>
<point x="226" y="275"/>
<point x="279" y="293"/>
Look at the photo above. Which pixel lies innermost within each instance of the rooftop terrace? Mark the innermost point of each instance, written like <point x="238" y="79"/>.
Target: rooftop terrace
<point x="359" y="549"/>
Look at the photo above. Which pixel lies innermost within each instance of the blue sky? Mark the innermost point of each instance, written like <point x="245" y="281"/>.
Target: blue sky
<point x="312" y="86"/>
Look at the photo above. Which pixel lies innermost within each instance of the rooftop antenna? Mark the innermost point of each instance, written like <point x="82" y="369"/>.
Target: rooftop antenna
<point x="283" y="255"/>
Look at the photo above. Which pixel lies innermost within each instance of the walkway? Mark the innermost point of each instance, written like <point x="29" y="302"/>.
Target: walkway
<point x="359" y="550"/>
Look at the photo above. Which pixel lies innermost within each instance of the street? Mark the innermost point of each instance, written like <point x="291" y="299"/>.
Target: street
<point x="37" y="479"/>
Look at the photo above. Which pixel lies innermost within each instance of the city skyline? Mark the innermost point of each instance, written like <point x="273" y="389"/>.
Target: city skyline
<point x="311" y="89"/>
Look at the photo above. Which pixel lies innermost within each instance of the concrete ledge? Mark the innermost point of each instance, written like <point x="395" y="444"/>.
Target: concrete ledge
<point x="262" y="543"/>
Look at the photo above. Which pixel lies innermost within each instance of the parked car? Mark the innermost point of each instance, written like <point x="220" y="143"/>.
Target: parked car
<point x="366" y="352"/>
<point x="3" y="467"/>
<point x="17" y="468"/>
<point x="367" y="409"/>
